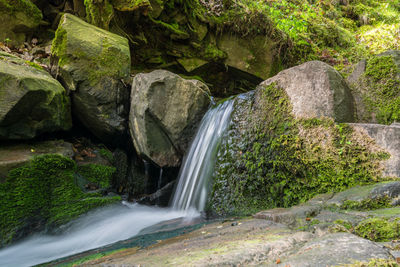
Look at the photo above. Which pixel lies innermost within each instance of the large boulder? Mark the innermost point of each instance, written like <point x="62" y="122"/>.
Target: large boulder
<point x="31" y="101"/>
<point x="16" y="19"/>
<point x="316" y="90"/>
<point x="91" y="63"/>
<point x="165" y="111"/>
<point x="375" y="84"/>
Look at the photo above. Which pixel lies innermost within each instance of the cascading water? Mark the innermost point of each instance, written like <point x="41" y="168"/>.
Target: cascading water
<point x="191" y="191"/>
<point x="116" y="223"/>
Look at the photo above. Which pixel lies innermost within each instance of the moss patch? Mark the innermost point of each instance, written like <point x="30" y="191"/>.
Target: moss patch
<point x="382" y="99"/>
<point x="270" y="159"/>
<point x="41" y="194"/>
<point x="379" y="229"/>
<point x="368" y="204"/>
<point x="98" y="174"/>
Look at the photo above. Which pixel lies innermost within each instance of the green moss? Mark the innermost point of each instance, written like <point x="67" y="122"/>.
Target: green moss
<point x="42" y="194"/>
<point x="99" y="13"/>
<point x="382" y="98"/>
<point x="347" y="225"/>
<point x="212" y="53"/>
<point x="35" y="65"/>
<point x="378" y="229"/>
<point x="98" y="174"/>
<point x="107" y="154"/>
<point x="25" y="6"/>
<point x="367" y="204"/>
<point x="275" y="160"/>
<point x="374" y="263"/>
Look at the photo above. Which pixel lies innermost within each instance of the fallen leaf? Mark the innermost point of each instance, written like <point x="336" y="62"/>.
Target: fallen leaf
<point x="278" y="261"/>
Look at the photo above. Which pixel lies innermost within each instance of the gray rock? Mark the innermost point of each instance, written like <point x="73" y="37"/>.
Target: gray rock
<point x="336" y="249"/>
<point x="91" y="62"/>
<point x="316" y="90"/>
<point x="165" y="111"/>
<point x="31" y="101"/>
<point x="387" y="137"/>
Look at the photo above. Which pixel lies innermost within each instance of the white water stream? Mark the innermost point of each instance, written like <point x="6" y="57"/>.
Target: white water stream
<point x="197" y="168"/>
<point x="116" y="223"/>
<point x="94" y="230"/>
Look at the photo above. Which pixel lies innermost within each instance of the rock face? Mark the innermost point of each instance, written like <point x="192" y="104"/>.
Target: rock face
<point x="386" y="137"/>
<point x="165" y="111"/>
<point x="316" y="90"/>
<point x="375" y="84"/>
<point x="91" y="63"/>
<point x="253" y="56"/>
<point x="17" y="18"/>
<point x="31" y="101"/>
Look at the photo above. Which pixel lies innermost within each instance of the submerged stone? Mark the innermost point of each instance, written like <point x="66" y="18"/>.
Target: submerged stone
<point x="31" y="101"/>
<point x="91" y="62"/>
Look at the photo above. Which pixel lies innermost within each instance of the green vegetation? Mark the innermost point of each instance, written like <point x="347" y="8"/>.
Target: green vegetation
<point x="367" y="204"/>
<point x="42" y="194"/>
<point x="25" y="6"/>
<point x="382" y="99"/>
<point x="99" y="13"/>
<point x="98" y="174"/>
<point x="279" y="161"/>
<point x="379" y="229"/>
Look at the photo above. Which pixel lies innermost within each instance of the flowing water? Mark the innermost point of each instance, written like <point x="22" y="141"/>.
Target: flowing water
<point x="191" y="191"/>
<point x="94" y="230"/>
<point x="115" y="223"/>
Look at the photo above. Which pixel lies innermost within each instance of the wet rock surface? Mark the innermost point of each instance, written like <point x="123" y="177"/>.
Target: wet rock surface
<point x="316" y="233"/>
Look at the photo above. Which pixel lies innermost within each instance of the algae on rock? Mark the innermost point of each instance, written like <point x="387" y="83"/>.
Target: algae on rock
<point x="44" y="194"/>
<point x="91" y="62"/>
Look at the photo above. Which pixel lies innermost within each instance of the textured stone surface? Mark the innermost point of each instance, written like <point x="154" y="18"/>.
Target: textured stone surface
<point x="91" y="62"/>
<point x="165" y="111"/>
<point x="31" y="101"/>
<point x="316" y="90"/>
<point x="335" y="250"/>
<point x="387" y="137"/>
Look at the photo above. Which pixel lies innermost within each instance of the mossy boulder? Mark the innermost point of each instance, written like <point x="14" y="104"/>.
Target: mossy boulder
<point x="272" y="158"/>
<point x="316" y="90"/>
<point x="31" y="101"/>
<point x="165" y="112"/>
<point x="91" y="62"/>
<point x="388" y="138"/>
<point x="376" y="86"/>
<point x="18" y="17"/>
<point x="43" y="194"/>
<point x="130" y="5"/>
<point x="15" y="155"/>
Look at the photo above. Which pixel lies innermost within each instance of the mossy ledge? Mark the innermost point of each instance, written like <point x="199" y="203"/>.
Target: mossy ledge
<point x="44" y="194"/>
<point x="270" y="159"/>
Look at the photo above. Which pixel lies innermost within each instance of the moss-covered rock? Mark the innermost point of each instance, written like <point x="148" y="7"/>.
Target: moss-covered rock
<point x="43" y="194"/>
<point x="17" y="17"/>
<point x="91" y="63"/>
<point x="130" y="5"/>
<point x="379" y="229"/>
<point x="376" y="86"/>
<point x="99" y="13"/>
<point x="271" y="159"/>
<point x="31" y="101"/>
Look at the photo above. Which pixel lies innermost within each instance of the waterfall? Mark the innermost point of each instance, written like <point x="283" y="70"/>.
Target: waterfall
<point x="191" y="191"/>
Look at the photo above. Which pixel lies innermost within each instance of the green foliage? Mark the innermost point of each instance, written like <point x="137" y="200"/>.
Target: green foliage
<point x="275" y="160"/>
<point x="99" y="13"/>
<point x="379" y="229"/>
<point x="107" y="154"/>
<point x="367" y="204"/>
<point x="42" y="194"/>
<point x="25" y="6"/>
<point x="98" y="174"/>
<point x="383" y="96"/>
